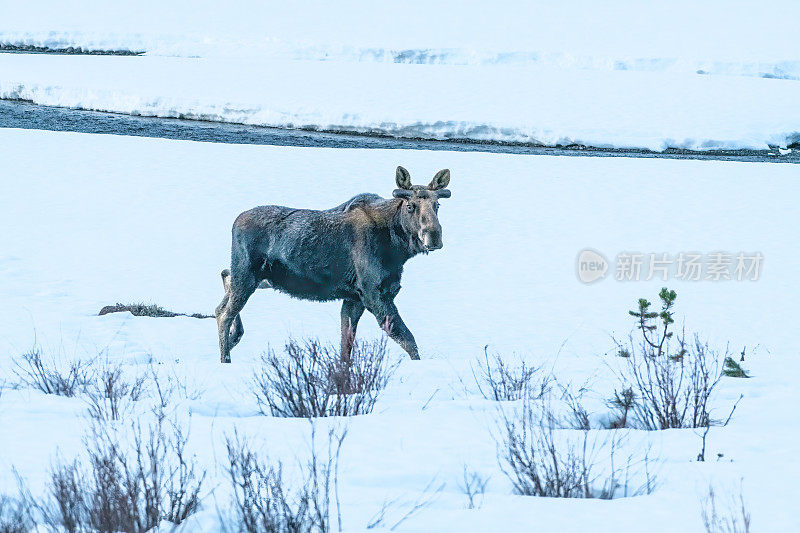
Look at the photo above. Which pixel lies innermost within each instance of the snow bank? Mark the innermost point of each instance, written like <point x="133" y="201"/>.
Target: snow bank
<point x="718" y="37"/>
<point x="654" y="110"/>
<point x="97" y="219"/>
<point x="717" y="75"/>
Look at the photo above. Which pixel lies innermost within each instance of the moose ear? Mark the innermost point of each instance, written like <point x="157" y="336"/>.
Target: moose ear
<point x="440" y="180"/>
<point x="403" y="178"/>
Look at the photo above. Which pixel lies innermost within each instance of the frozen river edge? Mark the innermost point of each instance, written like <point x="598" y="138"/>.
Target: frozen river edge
<point x="27" y="115"/>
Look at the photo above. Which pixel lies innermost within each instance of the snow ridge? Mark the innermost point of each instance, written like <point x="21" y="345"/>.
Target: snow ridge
<point x="221" y="46"/>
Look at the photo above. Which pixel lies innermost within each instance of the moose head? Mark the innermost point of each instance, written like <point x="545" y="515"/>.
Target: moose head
<point x="419" y="207"/>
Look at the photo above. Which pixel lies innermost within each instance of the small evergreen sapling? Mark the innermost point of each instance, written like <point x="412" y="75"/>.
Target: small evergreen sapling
<point x="732" y="369"/>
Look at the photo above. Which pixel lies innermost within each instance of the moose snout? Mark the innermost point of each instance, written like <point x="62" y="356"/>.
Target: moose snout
<point x="432" y="240"/>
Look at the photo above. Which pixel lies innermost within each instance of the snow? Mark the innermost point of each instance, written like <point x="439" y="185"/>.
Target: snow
<point x="91" y="220"/>
<point x="712" y="76"/>
<point x="654" y="110"/>
<point x="728" y="37"/>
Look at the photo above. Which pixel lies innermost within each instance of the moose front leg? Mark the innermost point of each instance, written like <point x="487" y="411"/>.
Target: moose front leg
<point x="389" y="319"/>
<point x="351" y="314"/>
<point x="398" y="331"/>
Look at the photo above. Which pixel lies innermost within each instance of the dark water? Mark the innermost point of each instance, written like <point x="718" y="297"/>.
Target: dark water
<point x="18" y="114"/>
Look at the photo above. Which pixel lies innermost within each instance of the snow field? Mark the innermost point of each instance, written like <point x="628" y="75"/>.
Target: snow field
<point x="91" y="220"/>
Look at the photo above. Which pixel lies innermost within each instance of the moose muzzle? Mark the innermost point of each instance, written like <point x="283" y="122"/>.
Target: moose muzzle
<point x="431" y="238"/>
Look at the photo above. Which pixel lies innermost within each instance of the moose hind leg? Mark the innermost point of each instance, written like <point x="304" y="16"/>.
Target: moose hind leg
<point x="226" y="286"/>
<point x="237" y="330"/>
<point x="229" y="326"/>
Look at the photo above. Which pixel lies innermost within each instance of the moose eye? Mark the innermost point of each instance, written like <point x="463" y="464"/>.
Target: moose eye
<point x="436" y="206"/>
<point x="410" y="206"/>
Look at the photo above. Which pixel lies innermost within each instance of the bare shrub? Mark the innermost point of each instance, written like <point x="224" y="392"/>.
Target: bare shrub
<point x="52" y="376"/>
<point x="473" y="485"/>
<point x="313" y="380"/>
<point x="578" y="416"/>
<point x="183" y="387"/>
<point x="142" y="309"/>
<point x="128" y="488"/>
<point x="499" y="380"/>
<point x="165" y="393"/>
<point x="264" y="501"/>
<point x="111" y="395"/>
<point x="403" y="511"/>
<point x="724" y="517"/>
<point x="671" y="382"/>
<point x="183" y="481"/>
<point x="66" y="485"/>
<point x="15" y="515"/>
<point x="541" y="460"/>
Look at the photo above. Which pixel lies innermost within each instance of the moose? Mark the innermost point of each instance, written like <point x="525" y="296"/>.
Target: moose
<point x="354" y="252"/>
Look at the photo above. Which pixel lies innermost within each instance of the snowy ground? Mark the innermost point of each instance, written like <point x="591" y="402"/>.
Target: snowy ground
<point x="91" y="220"/>
<point x="721" y="75"/>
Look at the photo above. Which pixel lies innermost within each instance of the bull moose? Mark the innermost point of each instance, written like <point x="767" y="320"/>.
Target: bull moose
<point x="354" y="252"/>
